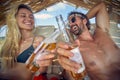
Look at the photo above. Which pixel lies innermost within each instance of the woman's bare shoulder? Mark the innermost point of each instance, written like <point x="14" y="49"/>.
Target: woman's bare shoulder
<point x="37" y="40"/>
<point x="39" y="37"/>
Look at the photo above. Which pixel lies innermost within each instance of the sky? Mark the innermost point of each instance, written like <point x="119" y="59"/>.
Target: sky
<point x="47" y="16"/>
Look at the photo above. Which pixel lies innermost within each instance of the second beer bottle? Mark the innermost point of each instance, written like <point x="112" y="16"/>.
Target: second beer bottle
<point x="81" y="73"/>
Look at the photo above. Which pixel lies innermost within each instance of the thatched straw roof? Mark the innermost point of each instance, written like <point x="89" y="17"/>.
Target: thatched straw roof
<point x="37" y="5"/>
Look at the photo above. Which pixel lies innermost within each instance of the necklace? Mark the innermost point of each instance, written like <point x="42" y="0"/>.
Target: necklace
<point x="26" y="40"/>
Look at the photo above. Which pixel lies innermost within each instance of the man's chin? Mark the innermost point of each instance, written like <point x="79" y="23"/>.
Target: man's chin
<point x="77" y="33"/>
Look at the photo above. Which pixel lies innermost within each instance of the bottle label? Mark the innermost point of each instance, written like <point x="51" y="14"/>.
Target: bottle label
<point x="78" y="58"/>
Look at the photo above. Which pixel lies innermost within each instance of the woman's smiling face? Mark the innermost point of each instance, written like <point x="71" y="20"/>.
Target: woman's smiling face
<point x="25" y="19"/>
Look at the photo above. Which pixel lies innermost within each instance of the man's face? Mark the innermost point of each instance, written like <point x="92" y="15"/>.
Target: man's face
<point x="76" y="24"/>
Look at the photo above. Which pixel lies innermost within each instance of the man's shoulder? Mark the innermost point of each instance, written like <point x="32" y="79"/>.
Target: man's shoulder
<point x="100" y="32"/>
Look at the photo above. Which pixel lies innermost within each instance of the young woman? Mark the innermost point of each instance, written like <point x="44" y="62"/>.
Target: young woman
<point x="19" y="44"/>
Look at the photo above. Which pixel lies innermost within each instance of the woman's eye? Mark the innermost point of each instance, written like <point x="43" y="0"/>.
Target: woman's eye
<point x="23" y="16"/>
<point x="32" y="17"/>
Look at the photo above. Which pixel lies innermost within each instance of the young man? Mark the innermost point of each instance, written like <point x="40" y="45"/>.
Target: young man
<point x="100" y="54"/>
<point x="20" y="44"/>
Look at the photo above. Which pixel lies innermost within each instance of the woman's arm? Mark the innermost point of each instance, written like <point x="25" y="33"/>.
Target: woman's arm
<point x="19" y="72"/>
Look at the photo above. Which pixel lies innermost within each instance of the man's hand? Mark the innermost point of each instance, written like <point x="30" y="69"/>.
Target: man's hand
<point x="63" y="57"/>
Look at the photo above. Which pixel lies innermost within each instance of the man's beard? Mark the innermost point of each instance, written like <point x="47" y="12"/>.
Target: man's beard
<point x="78" y="31"/>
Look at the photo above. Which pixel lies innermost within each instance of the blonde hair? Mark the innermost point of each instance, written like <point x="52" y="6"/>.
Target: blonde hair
<point x="11" y="45"/>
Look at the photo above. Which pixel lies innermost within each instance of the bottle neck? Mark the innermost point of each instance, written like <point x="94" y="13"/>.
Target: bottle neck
<point x="52" y="37"/>
<point x="62" y="26"/>
<point x="67" y="36"/>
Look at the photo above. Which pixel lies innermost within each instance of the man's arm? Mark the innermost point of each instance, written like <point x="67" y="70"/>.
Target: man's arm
<point x="102" y="19"/>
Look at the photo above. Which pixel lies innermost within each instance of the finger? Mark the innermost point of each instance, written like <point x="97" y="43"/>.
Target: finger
<point x="42" y="63"/>
<point x="68" y="64"/>
<point x="62" y="45"/>
<point x="64" y="52"/>
<point x="53" y="51"/>
<point x="47" y="56"/>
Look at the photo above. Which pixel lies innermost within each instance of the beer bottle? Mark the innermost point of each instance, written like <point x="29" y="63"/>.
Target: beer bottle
<point x="81" y="73"/>
<point x="48" y="44"/>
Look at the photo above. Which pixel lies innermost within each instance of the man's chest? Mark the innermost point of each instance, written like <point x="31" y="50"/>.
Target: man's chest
<point x="93" y="55"/>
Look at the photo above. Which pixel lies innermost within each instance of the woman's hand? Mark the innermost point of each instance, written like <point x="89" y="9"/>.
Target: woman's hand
<point x="45" y="60"/>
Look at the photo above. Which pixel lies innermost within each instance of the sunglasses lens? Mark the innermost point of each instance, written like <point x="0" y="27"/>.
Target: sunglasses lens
<point x="73" y="20"/>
